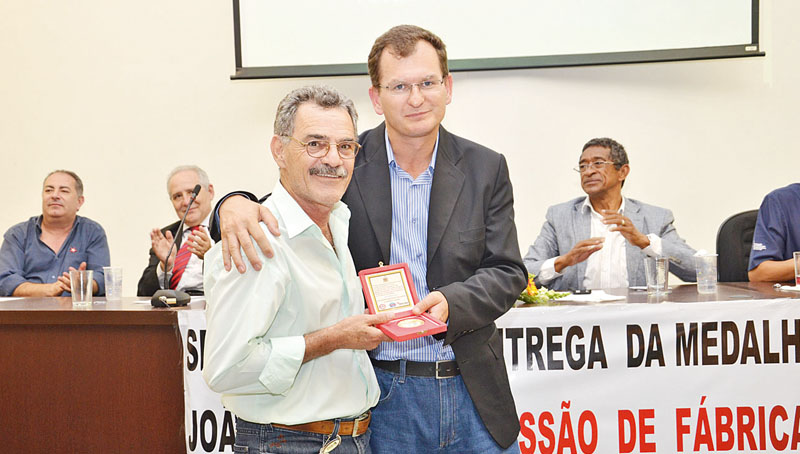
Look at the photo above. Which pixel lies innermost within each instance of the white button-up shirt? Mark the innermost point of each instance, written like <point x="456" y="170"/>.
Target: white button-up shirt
<point x="256" y="321"/>
<point x="608" y="267"/>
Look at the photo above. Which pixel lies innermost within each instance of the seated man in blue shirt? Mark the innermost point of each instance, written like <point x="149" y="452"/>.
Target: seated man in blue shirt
<point x="37" y="254"/>
<point x="776" y="236"/>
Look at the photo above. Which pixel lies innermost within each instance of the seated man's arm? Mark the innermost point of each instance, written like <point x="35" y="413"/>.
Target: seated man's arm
<point x="148" y="283"/>
<point x="767" y="263"/>
<point x="681" y="255"/>
<point x="32" y="289"/>
<point x="235" y="224"/>
<point x="98" y="256"/>
<point x="544" y="257"/>
<point x="12" y="279"/>
<point x="772" y="271"/>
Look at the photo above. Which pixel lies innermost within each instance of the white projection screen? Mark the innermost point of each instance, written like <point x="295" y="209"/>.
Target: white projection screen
<point x="302" y="38"/>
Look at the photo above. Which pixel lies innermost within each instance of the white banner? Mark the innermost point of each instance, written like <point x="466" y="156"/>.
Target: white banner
<point x="209" y="427"/>
<point x="615" y="378"/>
<point x="666" y="378"/>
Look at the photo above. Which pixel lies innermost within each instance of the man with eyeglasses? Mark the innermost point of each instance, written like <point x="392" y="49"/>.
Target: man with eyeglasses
<point x="285" y="346"/>
<point x="444" y="205"/>
<point x="599" y="241"/>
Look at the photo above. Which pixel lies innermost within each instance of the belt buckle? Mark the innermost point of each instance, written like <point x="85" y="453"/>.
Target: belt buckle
<point x="356" y="422"/>
<point x="438" y="377"/>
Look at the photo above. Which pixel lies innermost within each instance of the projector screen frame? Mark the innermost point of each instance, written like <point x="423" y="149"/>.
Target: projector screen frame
<point x="751" y="49"/>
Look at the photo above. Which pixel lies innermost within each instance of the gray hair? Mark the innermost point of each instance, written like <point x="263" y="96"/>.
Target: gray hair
<point x="322" y="95"/>
<point x="78" y="182"/>
<point x="201" y="175"/>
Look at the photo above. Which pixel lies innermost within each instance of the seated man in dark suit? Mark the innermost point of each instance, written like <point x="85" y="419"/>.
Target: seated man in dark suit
<point x="183" y="264"/>
<point x="600" y="241"/>
<point x="37" y="254"/>
<point x="776" y="236"/>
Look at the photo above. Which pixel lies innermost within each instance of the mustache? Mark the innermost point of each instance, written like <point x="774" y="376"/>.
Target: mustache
<point x="326" y="170"/>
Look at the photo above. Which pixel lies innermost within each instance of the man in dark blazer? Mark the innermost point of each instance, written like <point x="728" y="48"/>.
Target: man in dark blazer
<point x="465" y="259"/>
<point x="180" y="183"/>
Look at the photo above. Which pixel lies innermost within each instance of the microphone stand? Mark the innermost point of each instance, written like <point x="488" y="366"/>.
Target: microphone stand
<point x="169" y="297"/>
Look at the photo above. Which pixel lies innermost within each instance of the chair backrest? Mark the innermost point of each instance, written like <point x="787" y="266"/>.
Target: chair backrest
<point x="734" y="240"/>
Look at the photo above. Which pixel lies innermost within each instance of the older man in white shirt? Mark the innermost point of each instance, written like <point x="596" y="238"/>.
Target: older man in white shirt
<point x="286" y="345"/>
<point x="600" y="241"/>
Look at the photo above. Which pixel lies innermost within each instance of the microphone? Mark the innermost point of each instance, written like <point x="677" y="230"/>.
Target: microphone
<point x="169" y="297"/>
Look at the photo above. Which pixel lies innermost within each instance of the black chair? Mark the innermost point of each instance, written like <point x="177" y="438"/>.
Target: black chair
<point x="734" y="240"/>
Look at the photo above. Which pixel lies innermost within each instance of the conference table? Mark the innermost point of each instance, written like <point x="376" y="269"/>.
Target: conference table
<point x="109" y="378"/>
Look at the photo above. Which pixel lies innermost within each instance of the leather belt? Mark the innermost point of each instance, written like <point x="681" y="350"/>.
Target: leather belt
<point x="352" y="428"/>
<point x="439" y="369"/>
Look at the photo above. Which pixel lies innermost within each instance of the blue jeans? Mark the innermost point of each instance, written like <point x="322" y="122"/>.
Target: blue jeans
<point x="425" y="415"/>
<point x="253" y="438"/>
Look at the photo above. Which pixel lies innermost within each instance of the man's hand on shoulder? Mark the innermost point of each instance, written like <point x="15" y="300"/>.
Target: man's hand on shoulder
<point x="239" y="220"/>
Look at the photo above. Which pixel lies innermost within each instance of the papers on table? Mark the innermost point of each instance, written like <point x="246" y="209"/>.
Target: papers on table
<point x="790" y="288"/>
<point x="597" y="296"/>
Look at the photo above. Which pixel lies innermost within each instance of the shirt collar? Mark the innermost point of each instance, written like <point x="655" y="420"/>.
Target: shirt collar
<point x="294" y="218"/>
<point x="206" y="222"/>
<point x="40" y="218"/>
<point x="390" y="151"/>
<point x="587" y="206"/>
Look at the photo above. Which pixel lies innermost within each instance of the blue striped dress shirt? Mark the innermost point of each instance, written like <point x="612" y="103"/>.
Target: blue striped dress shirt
<point x="410" y="204"/>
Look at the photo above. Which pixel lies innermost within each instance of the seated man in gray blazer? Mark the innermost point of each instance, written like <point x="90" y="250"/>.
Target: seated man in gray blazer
<point x="600" y="241"/>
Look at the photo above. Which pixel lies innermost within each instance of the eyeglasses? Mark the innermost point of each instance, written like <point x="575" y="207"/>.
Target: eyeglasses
<point x="402" y="88"/>
<point x="347" y="149"/>
<point x="595" y="165"/>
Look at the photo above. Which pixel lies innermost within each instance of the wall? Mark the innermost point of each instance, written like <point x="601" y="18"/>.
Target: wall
<point x="121" y="93"/>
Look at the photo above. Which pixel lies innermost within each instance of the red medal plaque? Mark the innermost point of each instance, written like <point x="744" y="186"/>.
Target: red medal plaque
<point x="391" y="289"/>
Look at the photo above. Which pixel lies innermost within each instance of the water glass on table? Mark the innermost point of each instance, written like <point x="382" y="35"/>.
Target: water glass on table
<point x="113" y="280"/>
<point x="656" y="270"/>
<point x="796" y="256"/>
<point x="81" y="287"/>
<point x="706" y="273"/>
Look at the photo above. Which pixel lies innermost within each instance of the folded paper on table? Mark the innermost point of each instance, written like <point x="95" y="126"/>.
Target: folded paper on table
<point x="597" y="296"/>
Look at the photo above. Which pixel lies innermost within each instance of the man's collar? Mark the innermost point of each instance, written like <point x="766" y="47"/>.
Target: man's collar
<point x="206" y="222"/>
<point x="294" y="218"/>
<point x="390" y="151"/>
<point x="587" y="206"/>
<point x="40" y="219"/>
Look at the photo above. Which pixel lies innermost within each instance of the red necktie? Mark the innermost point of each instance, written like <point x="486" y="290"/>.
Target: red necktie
<point x="181" y="260"/>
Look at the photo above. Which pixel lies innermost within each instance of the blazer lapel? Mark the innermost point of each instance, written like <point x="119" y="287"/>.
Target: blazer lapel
<point x="581" y="230"/>
<point x="634" y="255"/>
<point x="374" y="186"/>
<point x="445" y="189"/>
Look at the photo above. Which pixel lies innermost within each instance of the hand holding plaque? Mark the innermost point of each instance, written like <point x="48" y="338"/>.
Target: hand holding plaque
<point x="391" y="289"/>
